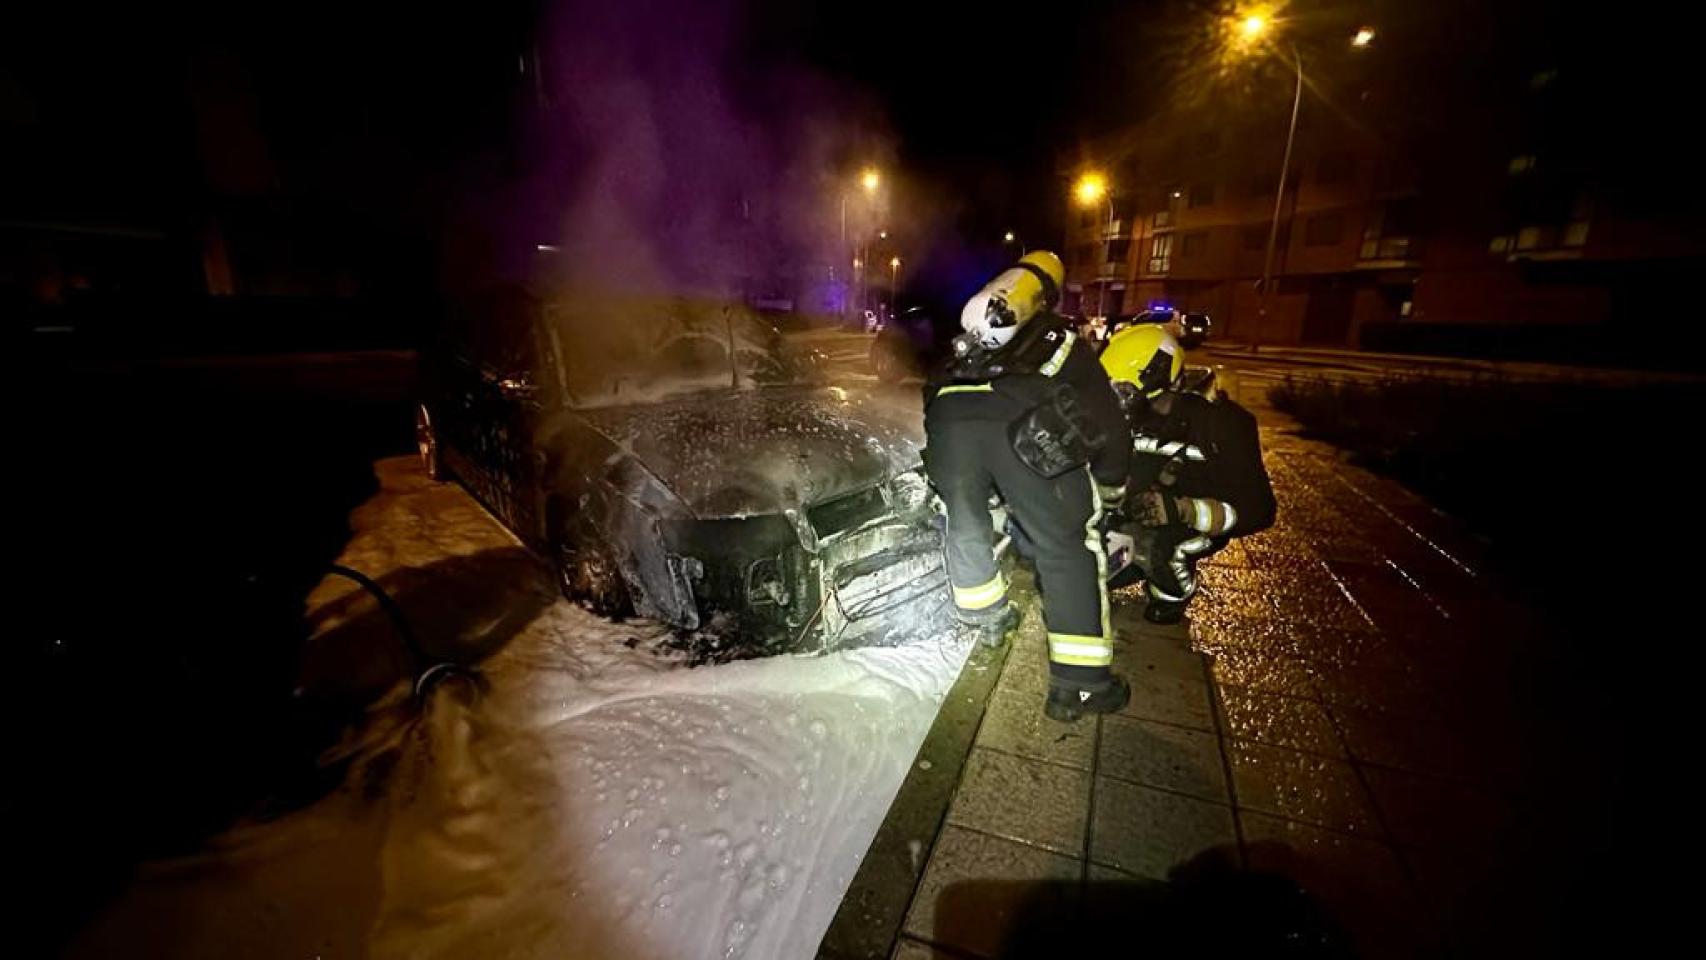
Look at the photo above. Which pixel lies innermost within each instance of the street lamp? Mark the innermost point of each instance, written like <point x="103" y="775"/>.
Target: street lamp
<point x="869" y="180"/>
<point x="894" y="286"/>
<point x="1246" y="32"/>
<point x="1091" y="189"/>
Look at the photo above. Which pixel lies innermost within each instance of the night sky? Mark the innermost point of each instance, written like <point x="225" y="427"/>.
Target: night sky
<point x="380" y="112"/>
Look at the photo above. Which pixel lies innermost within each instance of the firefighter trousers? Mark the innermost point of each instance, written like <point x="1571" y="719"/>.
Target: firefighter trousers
<point x="1060" y="517"/>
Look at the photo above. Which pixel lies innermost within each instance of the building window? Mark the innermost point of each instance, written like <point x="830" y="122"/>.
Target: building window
<point x="1536" y="238"/>
<point x="1521" y="163"/>
<point x="1192" y="245"/>
<point x="1202" y="194"/>
<point x="1389" y="232"/>
<point x="1323" y="230"/>
<point x="1125" y="208"/>
<point x="1161" y="253"/>
<point x="1253" y="237"/>
<point x="1581" y="214"/>
<point x="1118" y="248"/>
<point x="1499" y="244"/>
<point x="1335" y="167"/>
<point x="1163" y="217"/>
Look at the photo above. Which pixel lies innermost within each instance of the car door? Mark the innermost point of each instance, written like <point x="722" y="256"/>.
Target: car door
<point x="490" y="398"/>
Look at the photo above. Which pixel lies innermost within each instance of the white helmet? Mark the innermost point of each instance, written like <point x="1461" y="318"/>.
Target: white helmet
<point x="1017" y="294"/>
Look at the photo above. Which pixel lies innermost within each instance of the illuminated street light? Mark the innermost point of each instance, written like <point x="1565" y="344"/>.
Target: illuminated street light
<point x="1008" y="237"/>
<point x="1090" y="189"/>
<point x="1242" y="34"/>
<point x="894" y="263"/>
<point x="869" y="180"/>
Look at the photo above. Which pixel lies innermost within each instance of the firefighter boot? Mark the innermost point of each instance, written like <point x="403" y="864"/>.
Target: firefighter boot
<point x="1164" y="612"/>
<point x="994" y="630"/>
<point x="1068" y="701"/>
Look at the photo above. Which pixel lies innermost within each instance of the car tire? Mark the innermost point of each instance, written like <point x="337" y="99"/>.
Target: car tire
<point x="887" y="362"/>
<point x="587" y="574"/>
<point x="426" y="442"/>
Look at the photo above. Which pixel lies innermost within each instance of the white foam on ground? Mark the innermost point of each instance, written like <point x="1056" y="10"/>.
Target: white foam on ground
<point x="599" y="799"/>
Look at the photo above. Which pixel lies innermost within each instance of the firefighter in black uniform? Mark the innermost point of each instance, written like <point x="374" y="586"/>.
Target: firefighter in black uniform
<point x="1023" y="410"/>
<point x="1197" y="478"/>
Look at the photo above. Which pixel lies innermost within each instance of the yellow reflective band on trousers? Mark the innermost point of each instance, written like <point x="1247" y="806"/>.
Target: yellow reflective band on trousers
<point x="982" y="596"/>
<point x="966" y="388"/>
<point x="1080" y="651"/>
<point x="1093" y="543"/>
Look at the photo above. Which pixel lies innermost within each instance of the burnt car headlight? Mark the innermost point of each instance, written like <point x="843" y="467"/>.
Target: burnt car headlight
<point x="909" y="490"/>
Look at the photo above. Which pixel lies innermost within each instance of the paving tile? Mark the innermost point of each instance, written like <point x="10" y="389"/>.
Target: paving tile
<point x="1341" y="649"/>
<point x="1393" y="740"/>
<point x="1014" y="723"/>
<point x="1215" y="579"/>
<point x="907" y="948"/>
<point x="1278" y="721"/>
<point x="1255" y="671"/>
<point x="1024" y="800"/>
<point x="1422" y="810"/>
<point x="1169" y="655"/>
<point x="1323" y="605"/>
<point x="1026" y="671"/>
<point x="977" y="889"/>
<point x="1251" y="604"/>
<point x="1300" y="786"/>
<point x="1178" y="700"/>
<point x="1346" y="544"/>
<point x="1359" y="882"/>
<point x="1149" y="832"/>
<point x="1231" y="555"/>
<point x="1215" y="629"/>
<point x="1163" y="755"/>
<point x="1400" y="691"/>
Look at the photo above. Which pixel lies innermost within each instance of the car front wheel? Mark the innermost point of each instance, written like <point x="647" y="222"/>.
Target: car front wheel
<point x="587" y="574"/>
<point x="887" y="362"/>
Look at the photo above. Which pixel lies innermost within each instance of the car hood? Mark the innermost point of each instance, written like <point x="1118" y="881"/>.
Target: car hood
<point x="765" y="451"/>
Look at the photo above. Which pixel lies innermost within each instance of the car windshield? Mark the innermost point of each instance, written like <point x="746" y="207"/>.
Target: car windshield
<point x="640" y="351"/>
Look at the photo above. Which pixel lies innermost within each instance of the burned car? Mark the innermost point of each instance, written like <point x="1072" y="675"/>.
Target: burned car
<point x="680" y="460"/>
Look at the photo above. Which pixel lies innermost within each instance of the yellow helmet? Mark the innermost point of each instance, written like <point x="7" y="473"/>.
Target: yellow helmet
<point x="1144" y="356"/>
<point x="1017" y="294"/>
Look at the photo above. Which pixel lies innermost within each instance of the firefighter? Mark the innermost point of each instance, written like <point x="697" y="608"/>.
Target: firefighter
<point x="1023" y="411"/>
<point x="1197" y="478"/>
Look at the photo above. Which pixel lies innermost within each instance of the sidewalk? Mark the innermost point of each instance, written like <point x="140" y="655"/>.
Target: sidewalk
<point x="1334" y="714"/>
